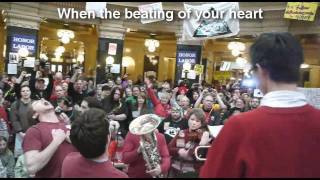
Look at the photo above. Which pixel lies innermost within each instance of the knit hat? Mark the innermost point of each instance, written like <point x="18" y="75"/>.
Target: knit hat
<point x="177" y="109"/>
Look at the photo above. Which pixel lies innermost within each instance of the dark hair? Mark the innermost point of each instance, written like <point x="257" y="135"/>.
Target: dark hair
<point x="114" y="91"/>
<point x="66" y="100"/>
<point x="280" y="54"/>
<point x="2" y="138"/>
<point x="89" y="133"/>
<point x="106" y="88"/>
<point x="93" y="102"/>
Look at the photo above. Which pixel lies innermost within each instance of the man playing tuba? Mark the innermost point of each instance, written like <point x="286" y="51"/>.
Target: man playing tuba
<point x="145" y="149"/>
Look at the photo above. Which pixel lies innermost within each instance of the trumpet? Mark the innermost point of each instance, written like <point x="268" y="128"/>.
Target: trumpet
<point x="196" y="152"/>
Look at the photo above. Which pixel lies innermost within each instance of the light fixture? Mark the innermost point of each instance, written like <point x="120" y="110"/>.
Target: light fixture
<point x="57" y="54"/>
<point x="65" y="35"/>
<point x="23" y="52"/>
<point x="236" y="48"/>
<point x="109" y="60"/>
<point x="127" y="50"/>
<point x="43" y="56"/>
<point x="304" y="66"/>
<point x="235" y="52"/>
<point x="241" y="61"/>
<point x="151" y="44"/>
<point x="80" y="58"/>
<point x="60" y="49"/>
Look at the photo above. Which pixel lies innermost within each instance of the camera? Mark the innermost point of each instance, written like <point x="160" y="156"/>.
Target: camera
<point x="58" y="110"/>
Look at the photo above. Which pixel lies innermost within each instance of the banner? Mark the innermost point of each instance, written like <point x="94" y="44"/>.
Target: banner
<point x="97" y="7"/>
<point x="19" y="41"/>
<point x="210" y="21"/>
<point x="186" y="56"/>
<point x="151" y="8"/>
<point x="304" y="11"/>
<point x="222" y="75"/>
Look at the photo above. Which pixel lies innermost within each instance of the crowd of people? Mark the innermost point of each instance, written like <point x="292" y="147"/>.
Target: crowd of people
<point x="122" y="100"/>
<point x="55" y="125"/>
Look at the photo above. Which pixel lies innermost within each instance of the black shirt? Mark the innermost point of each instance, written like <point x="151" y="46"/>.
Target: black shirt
<point x="170" y="128"/>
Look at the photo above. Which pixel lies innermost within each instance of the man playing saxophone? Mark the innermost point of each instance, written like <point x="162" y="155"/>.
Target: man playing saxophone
<point x="116" y="109"/>
<point x="146" y="153"/>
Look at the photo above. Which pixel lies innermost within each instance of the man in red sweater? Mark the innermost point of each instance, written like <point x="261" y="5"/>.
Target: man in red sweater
<point x="89" y="135"/>
<point x="281" y="137"/>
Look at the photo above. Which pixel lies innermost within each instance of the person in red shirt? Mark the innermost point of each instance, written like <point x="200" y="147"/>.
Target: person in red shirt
<point x="161" y="107"/>
<point x="132" y="156"/>
<point x="89" y="135"/>
<point x="46" y="144"/>
<point x="281" y="137"/>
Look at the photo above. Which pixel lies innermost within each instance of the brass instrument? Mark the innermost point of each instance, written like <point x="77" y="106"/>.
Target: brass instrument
<point x="113" y="111"/>
<point x="196" y="153"/>
<point x="144" y="126"/>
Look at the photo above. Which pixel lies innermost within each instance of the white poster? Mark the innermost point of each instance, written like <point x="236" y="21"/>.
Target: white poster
<point x="112" y="50"/>
<point x="312" y="95"/>
<point x="115" y="68"/>
<point x="29" y="62"/>
<point x="191" y="74"/>
<point x="149" y="8"/>
<point x="215" y="130"/>
<point x="59" y="68"/>
<point x="97" y="7"/>
<point x="12" y="68"/>
<point x="13" y="57"/>
<point x="210" y="21"/>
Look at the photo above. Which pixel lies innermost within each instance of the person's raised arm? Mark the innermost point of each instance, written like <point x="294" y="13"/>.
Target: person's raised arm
<point x="221" y="103"/>
<point x="20" y="78"/>
<point x="173" y="101"/>
<point x="151" y="93"/>
<point x="75" y="76"/>
<point x="198" y="102"/>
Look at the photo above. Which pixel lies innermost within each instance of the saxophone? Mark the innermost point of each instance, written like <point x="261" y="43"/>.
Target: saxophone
<point x="113" y="111"/>
<point x="144" y="126"/>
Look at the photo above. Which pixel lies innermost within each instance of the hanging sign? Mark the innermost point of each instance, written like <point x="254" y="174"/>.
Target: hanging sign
<point x="210" y="21"/>
<point x="19" y="41"/>
<point x="198" y="68"/>
<point x="186" y="56"/>
<point x="304" y="11"/>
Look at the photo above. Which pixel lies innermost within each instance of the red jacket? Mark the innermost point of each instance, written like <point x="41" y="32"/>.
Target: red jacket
<point x="137" y="168"/>
<point x="4" y="115"/>
<point x="267" y="142"/>
<point x="159" y="109"/>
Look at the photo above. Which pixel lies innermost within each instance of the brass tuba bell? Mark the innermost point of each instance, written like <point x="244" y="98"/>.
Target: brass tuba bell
<point x="144" y="126"/>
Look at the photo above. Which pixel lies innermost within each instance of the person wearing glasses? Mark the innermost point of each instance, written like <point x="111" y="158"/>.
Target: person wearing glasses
<point x="211" y="105"/>
<point x="281" y="137"/>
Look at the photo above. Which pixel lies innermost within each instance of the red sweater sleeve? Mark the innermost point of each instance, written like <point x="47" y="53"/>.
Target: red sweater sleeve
<point x="155" y="101"/>
<point x="130" y="147"/>
<point x="224" y="156"/>
<point x="164" y="153"/>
